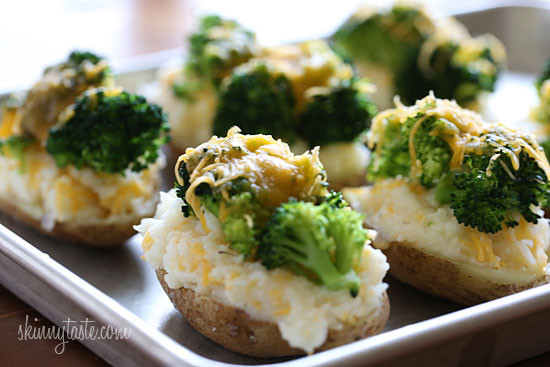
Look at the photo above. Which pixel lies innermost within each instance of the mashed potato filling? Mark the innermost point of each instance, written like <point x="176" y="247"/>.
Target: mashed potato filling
<point x="345" y="162"/>
<point x="51" y="194"/>
<point x="408" y="213"/>
<point x="204" y="262"/>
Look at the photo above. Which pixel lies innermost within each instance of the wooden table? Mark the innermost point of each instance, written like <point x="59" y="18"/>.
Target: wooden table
<point x="116" y="29"/>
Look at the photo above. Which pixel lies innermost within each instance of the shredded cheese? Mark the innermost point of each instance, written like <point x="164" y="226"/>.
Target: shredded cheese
<point x="274" y="172"/>
<point x="465" y="132"/>
<point x="312" y="68"/>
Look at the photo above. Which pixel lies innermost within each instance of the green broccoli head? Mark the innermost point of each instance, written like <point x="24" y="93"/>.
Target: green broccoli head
<point x="431" y="151"/>
<point x="486" y="201"/>
<point x="544" y="76"/>
<point x="389" y="38"/>
<point x="259" y="101"/>
<point x="321" y="242"/>
<point x="108" y="130"/>
<point x="340" y="115"/>
<point x="215" y="49"/>
<point x="456" y="69"/>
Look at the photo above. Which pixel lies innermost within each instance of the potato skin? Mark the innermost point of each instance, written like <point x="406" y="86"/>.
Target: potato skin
<point x="445" y="279"/>
<point x="95" y="235"/>
<point x="236" y="330"/>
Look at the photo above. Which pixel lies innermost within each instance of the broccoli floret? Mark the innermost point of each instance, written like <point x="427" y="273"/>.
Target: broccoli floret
<point x="394" y="158"/>
<point x="391" y="39"/>
<point x="335" y="199"/>
<point x="433" y="152"/>
<point x="14" y="146"/>
<point x="338" y="116"/>
<point x="456" y="70"/>
<point x="259" y="101"/>
<point x="215" y="49"/>
<point x="485" y="202"/>
<point x="241" y="226"/>
<point x="58" y="88"/>
<point x="109" y="131"/>
<point x="320" y="242"/>
<point x="242" y="218"/>
<point x="544" y="75"/>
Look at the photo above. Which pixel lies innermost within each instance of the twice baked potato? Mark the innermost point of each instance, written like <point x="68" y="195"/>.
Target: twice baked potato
<point x="259" y="256"/>
<point x="93" y="173"/>
<point x="457" y="202"/>
<point x="408" y="51"/>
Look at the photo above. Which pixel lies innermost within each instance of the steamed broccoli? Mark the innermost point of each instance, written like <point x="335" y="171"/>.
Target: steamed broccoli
<point x="58" y="88"/>
<point x="215" y="48"/>
<point x="487" y="201"/>
<point x="321" y="242"/>
<point x="259" y="101"/>
<point x="394" y="159"/>
<point x="391" y="39"/>
<point x="109" y="131"/>
<point x="339" y="116"/>
<point x="243" y="215"/>
<point x="458" y="70"/>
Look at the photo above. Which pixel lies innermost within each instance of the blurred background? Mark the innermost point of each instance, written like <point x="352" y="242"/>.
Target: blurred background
<point x="37" y="33"/>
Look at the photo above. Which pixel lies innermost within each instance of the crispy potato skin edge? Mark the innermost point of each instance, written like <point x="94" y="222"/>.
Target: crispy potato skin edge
<point x="236" y="330"/>
<point x="445" y="279"/>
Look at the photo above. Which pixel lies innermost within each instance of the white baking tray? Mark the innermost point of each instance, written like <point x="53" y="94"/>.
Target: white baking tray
<point x="115" y="287"/>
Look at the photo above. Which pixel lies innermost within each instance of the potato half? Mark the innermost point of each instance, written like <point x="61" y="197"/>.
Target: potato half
<point x="236" y="330"/>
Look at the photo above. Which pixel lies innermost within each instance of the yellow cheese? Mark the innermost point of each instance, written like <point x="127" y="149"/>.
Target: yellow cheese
<point x="307" y="65"/>
<point x="117" y="202"/>
<point x="147" y="242"/>
<point x="273" y="171"/>
<point x="72" y="196"/>
<point x="10" y="122"/>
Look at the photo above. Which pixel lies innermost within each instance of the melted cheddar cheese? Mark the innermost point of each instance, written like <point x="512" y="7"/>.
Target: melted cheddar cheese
<point x="275" y="173"/>
<point x="11" y="121"/>
<point x="308" y="65"/>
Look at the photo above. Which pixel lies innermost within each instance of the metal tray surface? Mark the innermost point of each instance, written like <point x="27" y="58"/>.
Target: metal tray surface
<point x="115" y="287"/>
